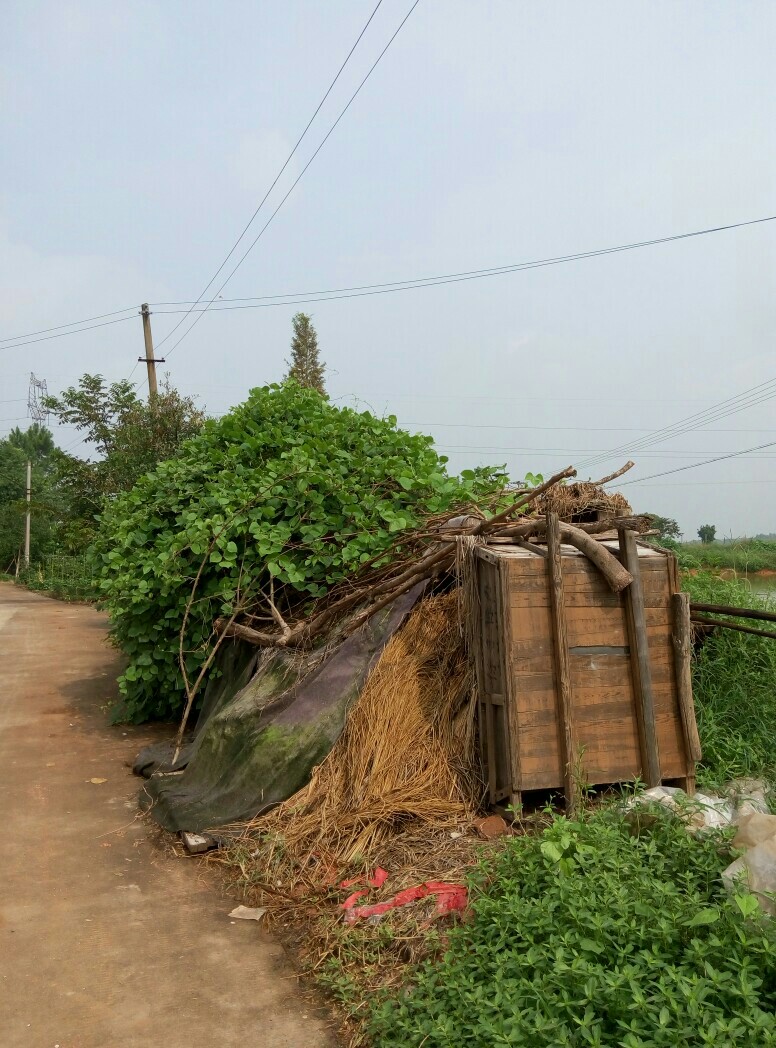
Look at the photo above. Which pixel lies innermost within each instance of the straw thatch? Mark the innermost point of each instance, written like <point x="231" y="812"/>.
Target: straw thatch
<point x="407" y="753"/>
<point x="582" y="498"/>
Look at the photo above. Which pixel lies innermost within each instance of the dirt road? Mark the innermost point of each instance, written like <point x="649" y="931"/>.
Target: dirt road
<point x="105" y="941"/>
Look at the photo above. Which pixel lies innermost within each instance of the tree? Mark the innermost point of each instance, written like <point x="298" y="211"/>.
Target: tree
<point x="47" y="502"/>
<point x="305" y="365"/>
<point x="130" y="437"/>
<point x="666" y="527"/>
<point x="36" y="442"/>
<point x="707" y="533"/>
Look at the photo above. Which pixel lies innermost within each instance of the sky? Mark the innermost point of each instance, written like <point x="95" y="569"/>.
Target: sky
<point x="139" y="138"/>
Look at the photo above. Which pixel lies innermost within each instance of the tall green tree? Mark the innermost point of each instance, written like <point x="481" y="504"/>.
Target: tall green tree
<point x="305" y="365"/>
<point x="707" y="533"/>
<point x="47" y="502"/>
<point x="36" y="441"/>
<point x="129" y="436"/>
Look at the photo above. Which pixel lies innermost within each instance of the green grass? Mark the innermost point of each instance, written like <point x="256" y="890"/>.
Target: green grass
<point x="734" y="684"/>
<point x="743" y="556"/>
<point x="588" y="935"/>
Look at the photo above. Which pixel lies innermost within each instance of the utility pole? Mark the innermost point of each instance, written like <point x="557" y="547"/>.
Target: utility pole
<point x="27" y="521"/>
<point x="38" y="412"/>
<point x="150" y="360"/>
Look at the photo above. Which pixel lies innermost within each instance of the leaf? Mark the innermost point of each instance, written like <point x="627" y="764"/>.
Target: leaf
<point x="551" y="851"/>
<point x="707" y="916"/>
<point x="98" y="782"/>
<point x="747" y="904"/>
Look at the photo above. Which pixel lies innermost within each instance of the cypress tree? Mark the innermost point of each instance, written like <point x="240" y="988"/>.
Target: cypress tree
<point x="305" y="366"/>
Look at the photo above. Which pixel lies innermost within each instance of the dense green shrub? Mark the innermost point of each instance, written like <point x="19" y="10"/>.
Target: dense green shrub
<point x="287" y="487"/>
<point x="734" y="684"/>
<point x="588" y="936"/>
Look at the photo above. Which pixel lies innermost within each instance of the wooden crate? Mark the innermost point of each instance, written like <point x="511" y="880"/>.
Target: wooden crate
<point x="578" y="684"/>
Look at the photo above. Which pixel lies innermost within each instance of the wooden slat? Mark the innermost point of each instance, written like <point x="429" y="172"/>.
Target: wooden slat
<point x="682" y="639"/>
<point x="561" y="655"/>
<point x="583" y="589"/>
<point x="640" y="663"/>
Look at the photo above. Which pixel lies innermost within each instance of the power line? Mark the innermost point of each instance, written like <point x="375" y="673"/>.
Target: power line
<point x="748" y="398"/>
<point x="409" y="285"/>
<point x="74" y="323"/>
<point x="694" y="465"/>
<point x="301" y="297"/>
<point x="468" y="450"/>
<point x="283" y="168"/>
<point x="471" y="274"/>
<point x="62" y="334"/>
<point x="558" y="429"/>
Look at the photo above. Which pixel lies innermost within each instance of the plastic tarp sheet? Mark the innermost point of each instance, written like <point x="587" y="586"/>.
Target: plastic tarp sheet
<point x="265" y="722"/>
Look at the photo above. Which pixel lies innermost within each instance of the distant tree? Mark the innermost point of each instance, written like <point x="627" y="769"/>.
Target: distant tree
<point x="47" y="501"/>
<point x="305" y="365"/>
<point x="36" y="442"/>
<point x="666" y="527"/>
<point x="707" y="533"/>
<point x="129" y="435"/>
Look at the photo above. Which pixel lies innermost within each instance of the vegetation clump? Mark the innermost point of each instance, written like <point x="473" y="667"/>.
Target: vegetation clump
<point x="282" y="498"/>
<point x="592" y="935"/>
<point x="733" y="686"/>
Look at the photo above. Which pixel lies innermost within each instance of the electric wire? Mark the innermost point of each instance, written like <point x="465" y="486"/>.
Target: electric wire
<point x="63" y="334"/>
<point x="471" y="274"/>
<point x="73" y="323"/>
<point x="301" y="297"/>
<point x="280" y="172"/>
<point x="758" y="394"/>
<point x="695" y="465"/>
<point x="295" y="182"/>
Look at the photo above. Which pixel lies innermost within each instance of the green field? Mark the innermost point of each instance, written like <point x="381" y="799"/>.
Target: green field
<point x="744" y="556"/>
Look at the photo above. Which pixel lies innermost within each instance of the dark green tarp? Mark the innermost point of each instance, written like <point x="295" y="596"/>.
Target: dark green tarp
<point x="266" y="721"/>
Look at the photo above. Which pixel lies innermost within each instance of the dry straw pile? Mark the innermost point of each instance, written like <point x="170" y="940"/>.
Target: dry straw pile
<point x="406" y="754"/>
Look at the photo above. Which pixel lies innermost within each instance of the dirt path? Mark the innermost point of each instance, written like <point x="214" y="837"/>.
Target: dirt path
<point x="105" y="941"/>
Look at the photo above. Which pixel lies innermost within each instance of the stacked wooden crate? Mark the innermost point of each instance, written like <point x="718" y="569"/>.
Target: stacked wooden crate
<point x="581" y="685"/>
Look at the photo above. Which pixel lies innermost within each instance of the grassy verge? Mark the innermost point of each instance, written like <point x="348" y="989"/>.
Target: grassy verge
<point x="63" y="577"/>
<point x="745" y="556"/>
<point x="590" y="935"/>
<point x="734" y="684"/>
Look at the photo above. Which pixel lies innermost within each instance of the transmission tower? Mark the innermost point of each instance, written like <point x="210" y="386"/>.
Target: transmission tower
<point x="36" y="394"/>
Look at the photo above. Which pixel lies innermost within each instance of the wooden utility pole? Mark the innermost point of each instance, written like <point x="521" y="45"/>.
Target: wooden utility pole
<point x="150" y="360"/>
<point x="27" y="521"/>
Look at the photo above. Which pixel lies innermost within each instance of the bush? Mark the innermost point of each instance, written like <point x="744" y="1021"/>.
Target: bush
<point x="734" y="684"/>
<point x="588" y="936"/>
<point x="285" y="490"/>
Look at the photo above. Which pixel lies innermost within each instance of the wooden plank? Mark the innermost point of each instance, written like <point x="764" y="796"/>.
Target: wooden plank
<point x="561" y="655"/>
<point x="682" y="639"/>
<point x="510" y="721"/>
<point x="489" y="672"/>
<point x="491" y="749"/>
<point x="640" y="662"/>
<point x="582" y="589"/>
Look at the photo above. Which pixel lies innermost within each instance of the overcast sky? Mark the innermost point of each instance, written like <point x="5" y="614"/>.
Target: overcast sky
<point x="138" y="139"/>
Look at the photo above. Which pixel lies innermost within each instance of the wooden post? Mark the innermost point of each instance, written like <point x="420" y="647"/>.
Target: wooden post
<point x="640" y="667"/>
<point x="561" y="661"/>
<point x="27" y="520"/>
<point x="149" y="352"/>
<point x="682" y="635"/>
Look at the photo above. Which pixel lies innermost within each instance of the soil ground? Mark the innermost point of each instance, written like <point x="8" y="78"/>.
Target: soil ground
<point x="106" y="939"/>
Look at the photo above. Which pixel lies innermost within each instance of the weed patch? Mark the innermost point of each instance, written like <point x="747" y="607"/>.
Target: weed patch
<point x="589" y="935"/>
<point x="734" y="684"/>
